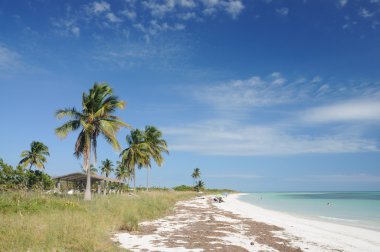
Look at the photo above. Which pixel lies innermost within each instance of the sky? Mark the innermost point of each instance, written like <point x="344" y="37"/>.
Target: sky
<point x="261" y="95"/>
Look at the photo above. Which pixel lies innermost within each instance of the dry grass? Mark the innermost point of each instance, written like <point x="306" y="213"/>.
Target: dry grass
<point x="37" y="222"/>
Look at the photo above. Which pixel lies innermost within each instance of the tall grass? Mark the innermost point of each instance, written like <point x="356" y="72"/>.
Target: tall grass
<point x="40" y="222"/>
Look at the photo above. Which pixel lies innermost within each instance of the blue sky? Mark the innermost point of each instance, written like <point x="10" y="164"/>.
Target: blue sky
<point x="261" y="95"/>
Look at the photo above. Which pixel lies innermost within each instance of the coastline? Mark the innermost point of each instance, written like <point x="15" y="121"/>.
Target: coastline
<point x="200" y="224"/>
<point x="310" y="235"/>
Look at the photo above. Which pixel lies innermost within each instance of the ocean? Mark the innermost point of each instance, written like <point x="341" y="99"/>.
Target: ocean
<point x="361" y="209"/>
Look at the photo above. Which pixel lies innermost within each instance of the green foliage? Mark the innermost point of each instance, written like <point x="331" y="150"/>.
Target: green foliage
<point x="183" y="188"/>
<point x="18" y="179"/>
<point x="200" y="185"/>
<point x="36" y="156"/>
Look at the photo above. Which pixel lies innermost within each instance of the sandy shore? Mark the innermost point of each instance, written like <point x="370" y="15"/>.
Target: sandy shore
<point x="202" y="225"/>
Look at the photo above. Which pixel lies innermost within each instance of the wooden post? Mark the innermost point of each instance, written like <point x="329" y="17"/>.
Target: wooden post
<point x="99" y="188"/>
<point x="104" y="187"/>
<point x="59" y="185"/>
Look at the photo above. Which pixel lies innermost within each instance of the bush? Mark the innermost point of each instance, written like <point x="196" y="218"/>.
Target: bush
<point x="18" y="179"/>
<point x="183" y="188"/>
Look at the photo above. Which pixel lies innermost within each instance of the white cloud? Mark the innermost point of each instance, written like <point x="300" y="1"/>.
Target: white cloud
<point x="363" y="12"/>
<point x="233" y="176"/>
<point x="234" y="139"/>
<point x="342" y="3"/>
<point x="234" y="8"/>
<point x="282" y="11"/>
<point x="99" y="7"/>
<point x="275" y="89"/>
<point x="9" y="59"/>
<point x="354" y="110"/>
<point x="340" y="178"/>
<point x="113" y="18"/>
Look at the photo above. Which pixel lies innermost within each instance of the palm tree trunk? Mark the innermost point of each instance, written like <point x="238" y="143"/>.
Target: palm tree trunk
<point x="134" y="180"/>
<point x="87" y="193"/>
<point x="86" y="161"/>
<point x="147" y="179"/>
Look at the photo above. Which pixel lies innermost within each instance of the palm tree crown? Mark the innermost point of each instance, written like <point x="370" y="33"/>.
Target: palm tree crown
<point x="136" y="155"/>
<point x="196" y="175"/>
<point x="96" y="118"/>
<point x="156" y="145"/>
<point x="36" y="156"/>
<point x="107" y="167"/>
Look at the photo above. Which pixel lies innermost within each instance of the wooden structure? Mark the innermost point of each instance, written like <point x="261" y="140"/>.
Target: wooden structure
<point x="80" y="178"/>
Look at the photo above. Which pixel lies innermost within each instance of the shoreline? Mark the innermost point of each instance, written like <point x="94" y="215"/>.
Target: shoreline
<point x="200" y="224"/>
<point x="308" y="234"/>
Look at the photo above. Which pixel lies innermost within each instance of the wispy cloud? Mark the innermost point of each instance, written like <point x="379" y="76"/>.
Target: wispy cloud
<point x="118" y="54"/>
<point x="9" y="60"/>
<point x="237" y="139"/>
<point x="342" y="3"/>
<point x="353" y="110"/>
<point x="147" y="17"/>
<point x="282" y="11"/>
<point x="275" y="89"/>
<point x="363" y="12"/>
<point x="340" y="178"/>
<point x="248" y="176"/>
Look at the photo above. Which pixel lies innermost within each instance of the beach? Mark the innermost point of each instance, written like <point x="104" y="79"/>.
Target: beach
<point x="200" y="224"/>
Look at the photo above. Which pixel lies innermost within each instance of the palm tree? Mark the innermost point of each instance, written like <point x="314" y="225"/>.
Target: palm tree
<point x="93" y="169"/>
<point x="136" y="155"/>
<point x="36" y="156"/>
<point x="196" y="175"/>
<point x="96" y="118"/>
<point x="200" y="185"/>
<point x="122" y="172"/>
<point x="107" y="167"/>
<point x="156" y="145"/>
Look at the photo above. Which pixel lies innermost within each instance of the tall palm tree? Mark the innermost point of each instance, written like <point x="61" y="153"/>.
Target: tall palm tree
<point x="156" y="146"/>
<point x="136" y="154"/>
<point x="196" y="175"/>
<point x="107" y="167"/>
<point x="36" y="156"/>
<point x="95" y="118"/>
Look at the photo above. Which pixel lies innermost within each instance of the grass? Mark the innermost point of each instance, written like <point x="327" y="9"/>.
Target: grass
<point x="40" y="222"/>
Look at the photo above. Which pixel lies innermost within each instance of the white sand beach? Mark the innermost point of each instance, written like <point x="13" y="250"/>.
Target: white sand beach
<point x="202" y="225"/>
<point x="308" y="234"/>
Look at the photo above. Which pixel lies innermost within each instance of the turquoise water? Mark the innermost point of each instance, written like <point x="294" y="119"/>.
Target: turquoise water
<point x="361" y="209"/>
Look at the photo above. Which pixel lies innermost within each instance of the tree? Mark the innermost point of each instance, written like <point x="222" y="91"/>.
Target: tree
<point x="106" y="167"/>
<point x="95" y="118"/>
<point x="200" y="185"/>
<point x="122" y="172"/>
<point x="196" y="175"/>
<point x="36" y="156"/>
<point x="93" y="169"/>
<point x="156" y="146"/>
<point x="136" y="154"/>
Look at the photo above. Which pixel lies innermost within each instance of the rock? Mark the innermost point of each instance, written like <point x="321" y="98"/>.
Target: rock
<point x="252" y="243"/>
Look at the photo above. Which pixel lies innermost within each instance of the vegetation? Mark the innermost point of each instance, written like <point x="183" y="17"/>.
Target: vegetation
<point x="156" y="146"/>
<point x="36" y="156"/>
<point x="183" y="188"/>
<point x="200" y="185"/>
<point x="96" y="118"/>
<point x="18" y="179"/>
<point x="143" y="145"/>
<point x="41" y="222"/>
<point x="196" y="175"/>
<point x="107" y="167"/>
<point x="135" y="155"/>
